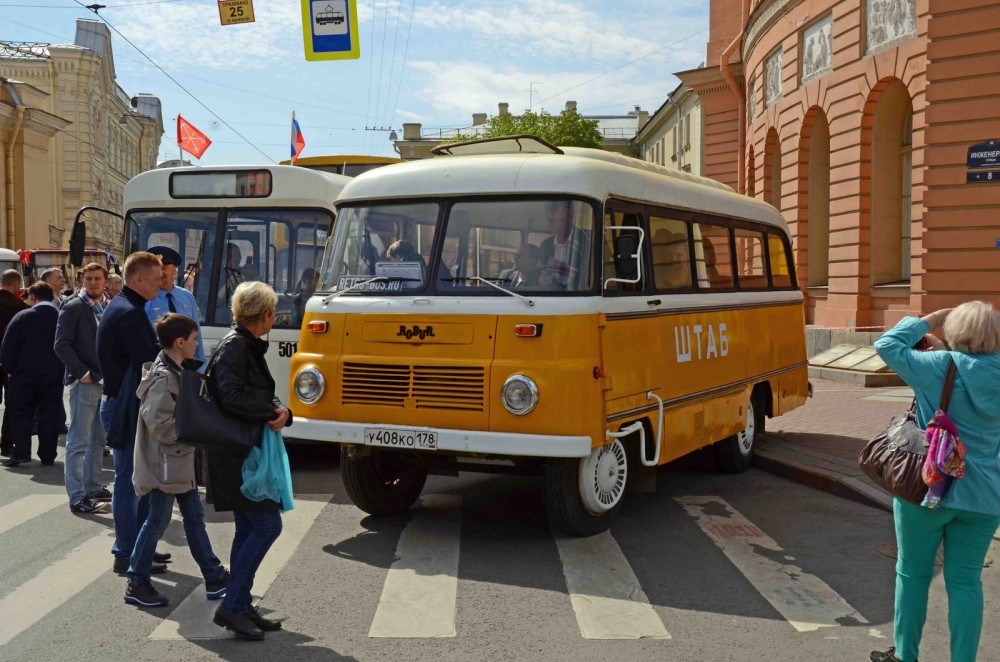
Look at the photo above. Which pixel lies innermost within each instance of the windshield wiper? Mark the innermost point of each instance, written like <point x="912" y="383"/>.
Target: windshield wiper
<point x="488" y="281"/>
<point x="362" y="283"/>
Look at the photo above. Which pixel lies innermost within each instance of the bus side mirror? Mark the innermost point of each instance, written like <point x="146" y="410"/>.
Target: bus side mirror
<point x="77" y="242"/>
<point x="627" y="257"/>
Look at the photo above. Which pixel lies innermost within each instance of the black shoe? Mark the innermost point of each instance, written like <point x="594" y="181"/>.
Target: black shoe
<point x="887" y="656"/>
<point x="87" y="506"/>
<point x="11" y="462"/>
<point x="121" y="566"/>
<point x="5" y="452"/>
<point x="48" y="463"/>
<point x="265" y="624"/>
<point x="102" y="494"/>
<point x="217" y="589"/>
<point x="161" y="558"/>
<point x="241" y="624"/>
<point x="144" y="595"/>
<point x="107" y="452"/>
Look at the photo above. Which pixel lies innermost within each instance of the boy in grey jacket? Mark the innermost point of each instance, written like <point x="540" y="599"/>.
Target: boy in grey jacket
<point x="164" y="469"/>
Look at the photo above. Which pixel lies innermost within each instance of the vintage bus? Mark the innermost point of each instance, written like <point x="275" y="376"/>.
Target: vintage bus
<point x="232" y="224"/>
<point x="511" y="306"/>
<point x="350" y="165"/>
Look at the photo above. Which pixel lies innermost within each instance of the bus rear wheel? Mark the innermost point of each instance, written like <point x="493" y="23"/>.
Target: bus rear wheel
<point x="583" y="496"/>
<point x="382" y="483"/>
<point x="734" y="454"/>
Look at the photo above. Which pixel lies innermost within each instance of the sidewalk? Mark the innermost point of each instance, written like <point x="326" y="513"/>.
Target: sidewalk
<point x="818" y="444"/>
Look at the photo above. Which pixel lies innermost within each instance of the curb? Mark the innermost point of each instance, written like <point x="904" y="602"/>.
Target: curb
<point x="821" y="479"/>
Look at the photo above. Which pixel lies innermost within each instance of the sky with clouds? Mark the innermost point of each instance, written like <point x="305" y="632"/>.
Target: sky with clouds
<point x="430" y="61"/>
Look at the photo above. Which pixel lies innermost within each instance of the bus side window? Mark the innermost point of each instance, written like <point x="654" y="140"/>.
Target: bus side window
<point x="750" y="260"/>
<point x="671" y="257"/>
<point x="620" y="218"/>
<point x="713" y="260"/>
<point x="781" y="275"/>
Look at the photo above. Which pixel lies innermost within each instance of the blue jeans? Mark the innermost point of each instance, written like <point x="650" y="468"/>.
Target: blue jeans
<point x="128" y="511"/>
<point x="84" y="443"/>
<point x="256" y="531"/>
<point x="967" y="537"/>
<point x="161" y="506"/>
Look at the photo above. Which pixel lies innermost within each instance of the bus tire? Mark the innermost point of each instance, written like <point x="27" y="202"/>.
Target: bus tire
<point x="583" y="495"/>
<point x="382" y="483"/>
<point x="734" y="454"/>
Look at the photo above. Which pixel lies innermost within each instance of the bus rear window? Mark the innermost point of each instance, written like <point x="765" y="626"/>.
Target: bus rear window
<point x="235" y="184"/>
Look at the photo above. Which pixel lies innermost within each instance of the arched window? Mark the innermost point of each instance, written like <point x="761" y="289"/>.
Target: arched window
<point x="751" y="174"/>
<point x="892" y="164"/>
<point x="772" y="169"/>
<point x="818" y="182"/>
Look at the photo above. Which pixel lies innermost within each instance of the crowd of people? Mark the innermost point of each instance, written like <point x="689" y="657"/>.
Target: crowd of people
<point x="119" y="349"/>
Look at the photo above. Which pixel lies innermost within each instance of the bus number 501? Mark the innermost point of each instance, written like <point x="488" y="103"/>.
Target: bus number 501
<point x="286" y="349"/>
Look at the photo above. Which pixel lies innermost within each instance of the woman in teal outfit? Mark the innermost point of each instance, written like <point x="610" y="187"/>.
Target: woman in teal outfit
<point x="970" y="512"/>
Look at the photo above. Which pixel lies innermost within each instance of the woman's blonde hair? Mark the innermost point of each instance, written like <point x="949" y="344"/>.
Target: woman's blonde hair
<point x="973" y="328"/>
<point x="252" y="300"/>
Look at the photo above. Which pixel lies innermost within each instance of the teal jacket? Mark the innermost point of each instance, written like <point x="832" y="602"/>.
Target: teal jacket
<point x="975" y="408"/>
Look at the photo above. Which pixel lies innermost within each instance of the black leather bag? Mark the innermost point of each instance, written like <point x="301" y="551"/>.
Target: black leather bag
<point x="201" y="423"/>
<point x="895" y="457"/>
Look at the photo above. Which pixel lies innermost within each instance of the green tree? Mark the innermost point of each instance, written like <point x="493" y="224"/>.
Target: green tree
<point x="567" y="129"/>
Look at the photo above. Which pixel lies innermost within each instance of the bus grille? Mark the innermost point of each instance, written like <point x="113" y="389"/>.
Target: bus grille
<point x="426" y="387"/>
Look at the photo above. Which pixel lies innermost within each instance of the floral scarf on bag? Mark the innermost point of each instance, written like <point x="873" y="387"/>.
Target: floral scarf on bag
<point x="945" y="459"/>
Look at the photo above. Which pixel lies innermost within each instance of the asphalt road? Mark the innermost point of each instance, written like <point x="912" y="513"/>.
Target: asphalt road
<point x="711" y="567"/>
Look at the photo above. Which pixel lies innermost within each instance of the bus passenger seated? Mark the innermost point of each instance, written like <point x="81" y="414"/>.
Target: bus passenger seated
<point x="714" y="277"/>
<point x="526" y="269"/>
<point x="567" y="251"/>
<point x="671" y="263"/>
<point x="402" y="251"/>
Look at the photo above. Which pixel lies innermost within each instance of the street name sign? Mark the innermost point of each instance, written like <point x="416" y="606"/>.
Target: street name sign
<point x="984" y="155"/>
<point x="232" y="12"/>
<point x="330" y="29"/>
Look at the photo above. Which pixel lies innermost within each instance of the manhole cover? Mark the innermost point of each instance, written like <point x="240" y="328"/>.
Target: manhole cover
<point x="891" y="551"/>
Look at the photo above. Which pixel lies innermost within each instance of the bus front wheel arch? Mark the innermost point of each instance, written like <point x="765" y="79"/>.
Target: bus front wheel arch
<point x="583" y="495"/>
<point x="382" y="482"/>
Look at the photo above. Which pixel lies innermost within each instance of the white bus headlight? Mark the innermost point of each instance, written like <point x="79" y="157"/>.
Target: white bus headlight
<point x="309" y="385"/>
<point x="519" y="394"/>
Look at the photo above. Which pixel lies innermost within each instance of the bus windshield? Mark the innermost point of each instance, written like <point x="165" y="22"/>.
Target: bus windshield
<point x="526" y="245"/>
<point x="221" y="249"/>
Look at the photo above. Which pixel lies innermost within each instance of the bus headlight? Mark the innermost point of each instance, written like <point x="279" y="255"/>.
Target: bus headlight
<point x="309" y="385"/>
<point x="519" y="394"/>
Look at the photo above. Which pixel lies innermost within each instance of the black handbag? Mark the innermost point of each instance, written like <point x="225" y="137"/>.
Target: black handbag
<point x="895" y="457"/>
<point x="201" y="423"/>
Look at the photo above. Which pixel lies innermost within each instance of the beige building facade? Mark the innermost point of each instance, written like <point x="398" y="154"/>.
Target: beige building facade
<point x="107" y="137"/>
<point x="672" y="137"/>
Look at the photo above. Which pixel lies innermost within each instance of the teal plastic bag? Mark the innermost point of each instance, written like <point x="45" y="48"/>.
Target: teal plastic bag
<point x="266" y="473"/>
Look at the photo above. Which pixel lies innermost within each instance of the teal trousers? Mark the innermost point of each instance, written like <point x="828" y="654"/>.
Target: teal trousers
<point x="967" y="537"/>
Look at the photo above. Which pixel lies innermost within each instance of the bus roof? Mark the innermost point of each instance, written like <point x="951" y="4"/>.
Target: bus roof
<point x="299" y="186"/>
<point x="591" y="173"/>
<point x="342" y="159"/>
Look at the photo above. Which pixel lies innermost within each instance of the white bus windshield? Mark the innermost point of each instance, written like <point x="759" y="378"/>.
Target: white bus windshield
<point x="526" y="245"/>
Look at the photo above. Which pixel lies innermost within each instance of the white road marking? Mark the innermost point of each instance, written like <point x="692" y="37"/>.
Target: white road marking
<point x="29" y="507"/>
<point x="36" y="598"/>
<point x="420" y="591"/>
<point x="806" y="601"/>
<point x="606" y="596"/>
<point x="192" y="619"/>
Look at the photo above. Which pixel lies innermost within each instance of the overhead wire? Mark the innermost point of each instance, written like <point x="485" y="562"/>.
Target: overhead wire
<point x="177" y="83"/>
<point x="371" y="73"/>
<point x="392" y="61"/>
<point x="402" y="69"/>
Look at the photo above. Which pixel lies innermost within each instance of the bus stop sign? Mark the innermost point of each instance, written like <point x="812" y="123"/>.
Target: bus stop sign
<point x="330" y="29"/>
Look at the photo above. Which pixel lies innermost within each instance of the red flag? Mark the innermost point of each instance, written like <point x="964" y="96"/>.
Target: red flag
<point x="190" y="139"/>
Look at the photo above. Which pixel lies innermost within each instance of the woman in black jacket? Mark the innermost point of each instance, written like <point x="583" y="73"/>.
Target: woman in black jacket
<point x="243" y="387"/>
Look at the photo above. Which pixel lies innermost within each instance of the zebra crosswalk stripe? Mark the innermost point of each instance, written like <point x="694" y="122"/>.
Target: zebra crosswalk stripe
<point x="27" y="508"/>
<point x="192" y="619"/>
<point x="419" y="596"/>
<point x="606" y="596"/>
<point x="806" y="601"/>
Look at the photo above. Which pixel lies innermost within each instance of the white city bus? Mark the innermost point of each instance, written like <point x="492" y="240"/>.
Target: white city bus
<point x="232" y="224"/>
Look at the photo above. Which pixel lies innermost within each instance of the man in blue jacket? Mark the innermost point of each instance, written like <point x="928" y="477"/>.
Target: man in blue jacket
<point x="34" y="377"/>
<point x="125" y="341"/>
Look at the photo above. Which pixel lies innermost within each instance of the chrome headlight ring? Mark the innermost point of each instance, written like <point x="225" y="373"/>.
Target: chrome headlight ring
<point x="519" y="394"/>
<point x="309" y="385"/>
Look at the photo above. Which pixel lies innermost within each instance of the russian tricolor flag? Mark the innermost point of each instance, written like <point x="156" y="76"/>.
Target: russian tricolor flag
<point x="298" y="141"/>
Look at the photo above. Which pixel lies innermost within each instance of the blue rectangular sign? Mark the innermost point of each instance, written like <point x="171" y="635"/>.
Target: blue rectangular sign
<point x="330" y="29"/>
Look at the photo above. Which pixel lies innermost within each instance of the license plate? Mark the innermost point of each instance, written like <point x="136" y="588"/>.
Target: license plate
<point x="401" y="438"/>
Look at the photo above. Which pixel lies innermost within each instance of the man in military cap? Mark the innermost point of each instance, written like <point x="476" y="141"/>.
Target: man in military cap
<point x="172" y="298"/>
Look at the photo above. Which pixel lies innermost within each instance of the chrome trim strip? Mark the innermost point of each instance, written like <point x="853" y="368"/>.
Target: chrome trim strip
<point x="666" y="312"/>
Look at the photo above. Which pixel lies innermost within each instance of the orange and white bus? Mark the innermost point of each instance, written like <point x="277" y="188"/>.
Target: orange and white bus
<point x="511" y="306"/>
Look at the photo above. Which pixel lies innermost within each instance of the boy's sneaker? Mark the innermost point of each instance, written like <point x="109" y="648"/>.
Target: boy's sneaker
<point x="144" y="595"/>
<point x="86" y="506"/>
<point x="102" y="494"/>
<point x="217" y="589"/>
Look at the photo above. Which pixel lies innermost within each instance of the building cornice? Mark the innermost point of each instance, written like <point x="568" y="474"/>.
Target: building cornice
<point x="709" y="80"/>
<point x="762" y="18"/>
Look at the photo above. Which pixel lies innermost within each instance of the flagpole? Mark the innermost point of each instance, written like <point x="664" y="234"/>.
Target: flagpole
<point x="180" y="150"/>
<point x="293" y="138"/>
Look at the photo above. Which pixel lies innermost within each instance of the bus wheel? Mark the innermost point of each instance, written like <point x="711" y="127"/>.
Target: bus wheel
<point x="382" y="483"/>
<point x="735" y="454"/>
<point x="583" y="495"/>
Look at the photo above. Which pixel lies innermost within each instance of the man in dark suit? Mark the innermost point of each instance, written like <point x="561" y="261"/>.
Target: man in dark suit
<point x="10" y="305"/>
<point x="76" y="346"/>
<point x="34" y="375"/>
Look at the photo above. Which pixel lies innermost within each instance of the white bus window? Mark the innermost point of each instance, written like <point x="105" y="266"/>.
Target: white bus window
<point x="618" y="218"/>
<point x="713" y="259"/>
<point x="780" y="273"/>
<point x="671" y="257"/>
<point x="750" y="260"/>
